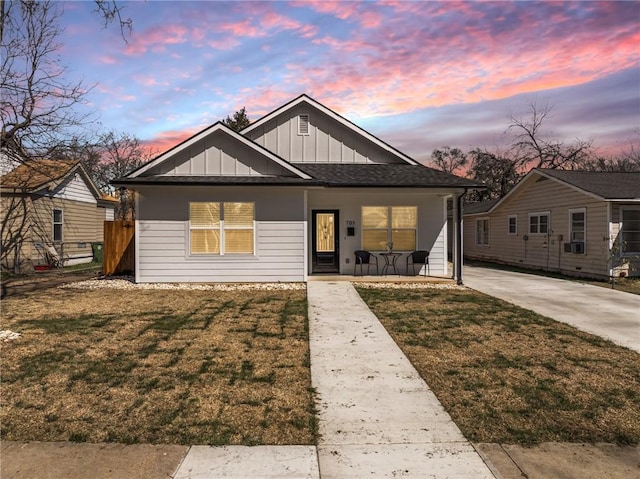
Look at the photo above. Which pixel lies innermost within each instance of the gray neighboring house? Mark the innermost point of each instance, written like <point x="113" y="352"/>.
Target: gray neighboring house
<point x="579" y="223"/>
<point x="292" y="195"/>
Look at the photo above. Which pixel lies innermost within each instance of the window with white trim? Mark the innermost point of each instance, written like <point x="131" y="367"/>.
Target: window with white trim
<point x="539" y="223"/>
<point x="303" y="124"/>
<point x="482" y="232"/>
<point x="58" y="222"/>
<point x="630" y="231"/>
<point x="393" y="225"/>
<point x="221" y="228"/>
<point x="512" y="224"/>
<point x="578" y="229"/>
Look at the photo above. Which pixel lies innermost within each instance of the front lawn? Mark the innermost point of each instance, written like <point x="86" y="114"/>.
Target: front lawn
<point x="508" y="375"/>
<point x="140" y="366"/>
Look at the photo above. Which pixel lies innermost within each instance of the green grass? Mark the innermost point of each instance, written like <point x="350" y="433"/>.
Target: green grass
<point x="508" y="375"/>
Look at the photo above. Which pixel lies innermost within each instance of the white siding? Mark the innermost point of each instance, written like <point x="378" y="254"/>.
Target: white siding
<point x="163" y="229"/>
<point x="432" y="221"/>
<point x="75" y="189"/>
<point x="327" y="142"/>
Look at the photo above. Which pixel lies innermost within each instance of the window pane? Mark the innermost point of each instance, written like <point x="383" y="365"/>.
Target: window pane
<point x="238" y="241"/>
<point x="325" y="241"/>
<point x="57" y="216"/>
<point x="375" y="217"/>
<point x="205" y="241"/>
<point x="238" y="214"/>
<point x="403" y="240"/>
<point x="374" y="240"/>
<point x="57" y="232"/>
<point x="404" y="217"/>
<point x="204" y="214"/>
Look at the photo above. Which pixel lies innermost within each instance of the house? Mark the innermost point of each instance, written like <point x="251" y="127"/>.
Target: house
<point x="579" y="223"/>
<point x="50" y="209"/>
<point x="294" y="194"/>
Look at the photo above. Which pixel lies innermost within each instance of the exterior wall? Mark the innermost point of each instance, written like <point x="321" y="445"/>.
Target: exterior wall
<point x="162" y="232"/>
<point x="541" y="251"/>
<point x="217" y="155"/>
<point x="328" y="141"/>
<point x="622" y="265"/>
<point x="432" y="221"/>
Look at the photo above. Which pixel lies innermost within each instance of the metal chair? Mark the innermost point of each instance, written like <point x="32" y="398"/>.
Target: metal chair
<point x="365" y="257"/>
<point x="420" y="257"/>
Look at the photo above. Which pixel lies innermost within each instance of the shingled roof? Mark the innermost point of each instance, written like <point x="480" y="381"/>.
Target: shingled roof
<point x="35" y="174"/>
<point x="607" y="185"/>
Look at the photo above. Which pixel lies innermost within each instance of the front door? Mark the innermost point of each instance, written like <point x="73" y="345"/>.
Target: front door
<point x="325" y="252"/>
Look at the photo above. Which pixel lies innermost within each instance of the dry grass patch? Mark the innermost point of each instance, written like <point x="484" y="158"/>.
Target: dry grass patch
<point x="178" y="367"/>
<point x="508" y="375"/>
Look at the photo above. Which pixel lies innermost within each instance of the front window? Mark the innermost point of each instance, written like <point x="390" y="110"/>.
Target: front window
<point x="221" y="228"/>
<point x="482" y="232"/>
<point x="630" y="231"/>
<point x="539" y="223"/>
<point x="394" y="226"/>
<point x="57" y="225"/>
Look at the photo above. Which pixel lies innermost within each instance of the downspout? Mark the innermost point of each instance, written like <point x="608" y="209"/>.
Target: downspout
<point x="459" y="255"/>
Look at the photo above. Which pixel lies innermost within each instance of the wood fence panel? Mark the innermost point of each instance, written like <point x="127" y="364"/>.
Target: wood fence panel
<point x="119" y="247"/>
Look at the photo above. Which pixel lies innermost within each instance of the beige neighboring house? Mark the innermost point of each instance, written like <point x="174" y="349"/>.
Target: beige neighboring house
<point x="579" y="223"/>
<point x="50" y="209"/>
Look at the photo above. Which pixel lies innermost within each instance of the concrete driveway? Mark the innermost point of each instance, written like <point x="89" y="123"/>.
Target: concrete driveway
<point x="608" y="313"/>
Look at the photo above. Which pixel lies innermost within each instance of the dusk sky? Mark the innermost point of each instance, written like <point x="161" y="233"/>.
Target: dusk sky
<point x="419" y="75"/>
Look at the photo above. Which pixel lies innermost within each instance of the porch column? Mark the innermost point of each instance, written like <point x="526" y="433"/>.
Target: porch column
<point x="457" y="263"/>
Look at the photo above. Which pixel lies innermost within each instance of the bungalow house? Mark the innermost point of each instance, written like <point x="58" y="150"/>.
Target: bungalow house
<point x="294" y="194"/>
<point x="579" y="223"/>
<point x="50" y="208"/>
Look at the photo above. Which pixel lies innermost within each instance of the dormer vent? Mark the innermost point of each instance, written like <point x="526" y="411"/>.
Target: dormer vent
<point x="303" y="124"/>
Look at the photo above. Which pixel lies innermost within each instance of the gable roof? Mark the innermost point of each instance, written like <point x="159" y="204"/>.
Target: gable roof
<point x="478" y="207"/>
<point x="383" y="175"/>
<point x="335" y="116"/>
<point x="36" y="175"/>
<point x="605" y="184"/>
<point x="218" y="126"/>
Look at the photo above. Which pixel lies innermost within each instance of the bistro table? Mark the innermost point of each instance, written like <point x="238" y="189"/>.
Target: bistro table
<point x="390" y="259"/>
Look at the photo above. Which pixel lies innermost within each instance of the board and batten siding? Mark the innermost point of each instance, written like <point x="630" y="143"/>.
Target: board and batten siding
<point x="162" y="236"/>
<point x="542" y="251"/>
<point x="327" y="141"/>
<point x="432" y="221"/>
<point x="218" y="155"/>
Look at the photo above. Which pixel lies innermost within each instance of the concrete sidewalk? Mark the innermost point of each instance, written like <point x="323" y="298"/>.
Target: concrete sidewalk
<point x="378" y="418"/>
<point x="610" y="314"/>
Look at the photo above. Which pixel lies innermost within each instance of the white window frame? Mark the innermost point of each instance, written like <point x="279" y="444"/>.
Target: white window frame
<point x="303" y="119"/>
<point x="538" y="214"/>
<point x="389" y="228"/>
<point x="54" y="223"/>
<point x="509" y="218"/>
<point x="582" y="210"/>
<point x="221" y="229"/>
<point x="621" y="231"/>
<point x="486" y="230"/>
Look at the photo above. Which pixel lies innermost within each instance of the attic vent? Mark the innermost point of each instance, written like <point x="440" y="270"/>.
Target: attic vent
<point x="303" y="124"/>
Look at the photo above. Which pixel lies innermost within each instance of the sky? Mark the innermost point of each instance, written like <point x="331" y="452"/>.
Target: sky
<point x="417" y="74"/>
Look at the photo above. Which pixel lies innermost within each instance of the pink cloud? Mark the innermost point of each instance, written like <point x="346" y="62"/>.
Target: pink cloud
<point x="108" y="60"/>
<point x="157" y="38"/>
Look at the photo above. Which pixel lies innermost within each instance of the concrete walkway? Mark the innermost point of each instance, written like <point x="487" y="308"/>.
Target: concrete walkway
<point x="610" y="314"/>
<point x="378" y="418"/>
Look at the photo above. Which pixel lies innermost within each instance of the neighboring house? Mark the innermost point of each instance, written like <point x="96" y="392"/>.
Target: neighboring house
<point x="50" y="204"/>
<point x="294" y="194"/>
<point x="579" y="223"/>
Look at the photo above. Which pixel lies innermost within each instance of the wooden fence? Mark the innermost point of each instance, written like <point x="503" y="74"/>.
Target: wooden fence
<point x="119" y="247"/>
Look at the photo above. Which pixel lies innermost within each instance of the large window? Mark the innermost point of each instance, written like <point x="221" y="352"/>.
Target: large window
<point x="630" y="231"/>
<point x="383" y="225"/>
<point x="57" y="225"/>
<point x="482" y="232"/>
<point x="221" y="228"/>
<point x="539" y="223"/>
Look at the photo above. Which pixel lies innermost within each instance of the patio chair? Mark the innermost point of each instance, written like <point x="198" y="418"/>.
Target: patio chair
<point x="365" y="257"/>
<point x="420" y="257"/>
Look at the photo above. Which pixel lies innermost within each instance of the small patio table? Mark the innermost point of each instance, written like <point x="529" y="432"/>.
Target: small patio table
<point x="390" y="259"/>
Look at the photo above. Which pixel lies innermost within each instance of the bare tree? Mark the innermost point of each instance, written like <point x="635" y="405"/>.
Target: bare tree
<point x="450" y="160"/>
<point x="497" y="172"/>
<point x="532" y="150"/>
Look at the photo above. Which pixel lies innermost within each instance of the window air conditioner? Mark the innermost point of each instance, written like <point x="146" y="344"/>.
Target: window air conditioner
<point x="577" y="247"/>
